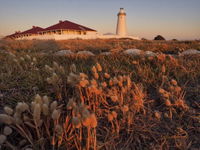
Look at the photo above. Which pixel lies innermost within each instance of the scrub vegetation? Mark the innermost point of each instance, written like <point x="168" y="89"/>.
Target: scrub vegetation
<point x="99" y="102"/>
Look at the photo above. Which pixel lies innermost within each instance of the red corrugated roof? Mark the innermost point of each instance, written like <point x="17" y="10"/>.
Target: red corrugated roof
<point x="68" y="25"/>
<point x="13" y="35"/>
<point x="34" y="30"/>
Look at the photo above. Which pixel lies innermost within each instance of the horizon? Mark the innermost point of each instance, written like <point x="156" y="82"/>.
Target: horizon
<point x="171" y="19"/>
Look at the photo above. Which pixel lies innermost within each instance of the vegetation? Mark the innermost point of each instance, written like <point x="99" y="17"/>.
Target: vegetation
<point x="98" y="102"/>
<point x="159" y="38"/>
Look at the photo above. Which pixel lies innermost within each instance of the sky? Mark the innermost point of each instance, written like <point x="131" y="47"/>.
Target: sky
<point x="179" y="19"/>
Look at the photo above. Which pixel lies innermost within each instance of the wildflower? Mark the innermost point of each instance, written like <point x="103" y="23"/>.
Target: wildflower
<point x="73" y="79"/>
<point x="2" y="139"/>
<point x="110" y="117"/>
<point x="55" y="78"/>
<point x="114" y="114"/>
<point x="93" y="82"/>
<point x="45" y="109"/>
<point x="114" y="98"/>
<point x="46" y="100"/>
<point x="49" y="69"/>
<point x="177" y="89"/>
<point x="128" y="82"/>
<point x="125" y="108"/>
<point x="173" y="82"/>
<point x="55" y="115"/>
<point x="104" y="84"/>
<point x="59" y="129"/>
<point x="38" y="99"/>
<point x="53" y="105"/>
<point x="21" y="58"/>
<point x="28" y="57"/>
<point x="157" y="114"/>
<point x="36" y="113"/>
<point x="86" y="121"/>
<point x="83" y="83"/>
<point x="161" y="91"/>
<point x="73" y="68"/>
<point x="163" y="69"/>
<point x="8" y="110"/>
<point x="34" y="59"/>
<point x="96" y="75"/>
<point x="94" y="70"/>
<point x="76" y="122"/>
<point x="167" y="102"/>
<point x="7" y="131"/>
<point x="106" y="75"/>
<point x="134" y="62"/>
<point x="83" y="76"/>
<point x="98" y="67"/>
<point x="93" y="120"/>
<point x="6" y="119"/>
<point x="70" y="104"/>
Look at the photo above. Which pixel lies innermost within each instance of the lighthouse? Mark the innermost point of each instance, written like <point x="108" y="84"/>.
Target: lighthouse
<point x="121" y="23"/>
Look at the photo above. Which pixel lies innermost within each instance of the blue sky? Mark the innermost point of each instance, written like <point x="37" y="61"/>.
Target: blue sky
<point x="145" y="18"/>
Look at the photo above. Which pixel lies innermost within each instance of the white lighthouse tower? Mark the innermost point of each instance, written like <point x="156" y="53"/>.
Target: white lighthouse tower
<point x="121" y="23"/>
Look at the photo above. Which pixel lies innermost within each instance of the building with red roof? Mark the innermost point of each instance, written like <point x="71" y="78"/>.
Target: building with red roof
<point x="67" y="27"/>
<point x="31" y="32"/>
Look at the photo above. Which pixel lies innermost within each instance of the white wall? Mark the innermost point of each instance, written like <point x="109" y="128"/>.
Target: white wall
<point x="66" y="37"/>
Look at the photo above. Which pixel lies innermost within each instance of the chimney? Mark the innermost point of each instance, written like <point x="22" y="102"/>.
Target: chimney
<point x="60" y="21"/>
<point x="34" y="26"/>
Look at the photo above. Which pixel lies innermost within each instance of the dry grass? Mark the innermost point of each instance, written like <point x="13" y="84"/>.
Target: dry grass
<point x="101" y="102"/>
<point x="99" y="45"/>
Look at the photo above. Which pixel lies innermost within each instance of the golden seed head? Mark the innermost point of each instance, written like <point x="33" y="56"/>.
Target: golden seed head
<point x="94" y="70"/>
<point x="114" y="98"/>
<point x="45" y="109"/>
<point x="83" y="76"/>
<point x="76" y="122"/>
<point x="99" y="68"/>
<point x="2" y="139"/>
<point x="128" y="82"/>
<point x="73" y="68"/>
<point x="111" y="82"/>
<point x="46" y="100"/>
<point x="59" y="129"/>
<point x="115" y="81"/>
<point x="163" y="69"/>
<point x="56" y="114"/>
<point x="93" y="120"/>
<point x="174" y="82"/>
<point x="166" y="95"/>
<point x="161" y="91"/>
<point x="83" y="83"/>
<point x="178" y="89"/>
<point x="53" y="105"/>
<point x="86" y="121"/>
<point x="114" y="114"/>
<point x="110" y="117"/>
<point x="93" y="82"/>
<point x="8" y="110"/>
<point x="157" y="114"/>
<point x="37" y="113"/>
<point x="96" y="75"/>
<point x="104" y="84"/>
<point x="38" y="99"/>
<point x="167" y="102"/>
<point x="106" y="75"/>
<point x="70" y="104"/>
<point x="6" y="119"/>
<point x="73" y="79"/>
<point x="7" y="131"/>
<point x="134" y="62"/>
<point x="125" y="108"/>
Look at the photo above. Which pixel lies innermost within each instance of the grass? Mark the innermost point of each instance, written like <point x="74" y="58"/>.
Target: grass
<point x="147" y="103"/>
